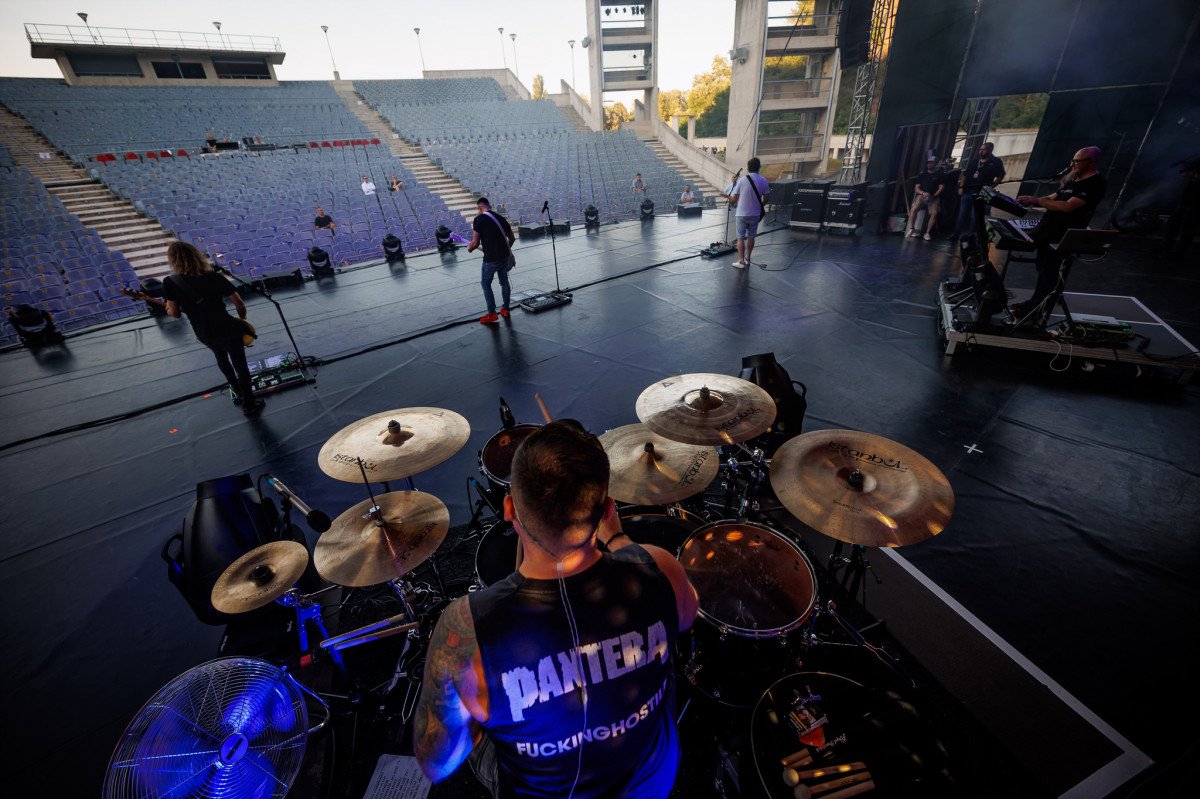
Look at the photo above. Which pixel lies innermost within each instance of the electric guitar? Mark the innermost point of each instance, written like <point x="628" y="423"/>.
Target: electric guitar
<point x="248" y="332"/>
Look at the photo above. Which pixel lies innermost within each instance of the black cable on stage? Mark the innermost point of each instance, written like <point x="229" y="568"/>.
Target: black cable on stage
<point x="75" y="428"/>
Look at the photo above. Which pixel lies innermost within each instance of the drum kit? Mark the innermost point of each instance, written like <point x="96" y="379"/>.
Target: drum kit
<point x="686" y="478"/>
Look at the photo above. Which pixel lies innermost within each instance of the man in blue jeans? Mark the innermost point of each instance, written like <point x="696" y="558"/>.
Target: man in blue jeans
<point x="984" y="170"/>
<point x="493" y="233"/>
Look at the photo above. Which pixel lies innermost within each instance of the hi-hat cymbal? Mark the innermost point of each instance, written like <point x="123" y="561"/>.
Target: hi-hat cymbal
<point x="706" y="409"/>
<point x="259" y="577"/>
<point x="420" y="439"/>
<point x="861" y="488"/>
<point x="647" y="469"/>
<point x="358" y="551"/>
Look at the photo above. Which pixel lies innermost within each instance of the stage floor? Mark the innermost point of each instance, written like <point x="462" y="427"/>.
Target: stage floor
<point x="1074" y="540"/>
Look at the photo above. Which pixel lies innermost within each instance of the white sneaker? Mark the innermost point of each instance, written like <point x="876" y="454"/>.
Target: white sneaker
<point x="928" y="237"/>
<point x="738" y="265"/>
<point x="912" y="234"/>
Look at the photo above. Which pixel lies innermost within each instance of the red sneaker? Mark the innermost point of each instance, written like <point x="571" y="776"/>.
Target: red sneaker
<point x="504" y="312"/>
<point x="489" y="319"/>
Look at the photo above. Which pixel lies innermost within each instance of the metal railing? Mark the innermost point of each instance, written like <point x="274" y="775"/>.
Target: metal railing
<point x="163" y="40"/>
<point x="802" y="25"/>
<point x="797" y="89"/>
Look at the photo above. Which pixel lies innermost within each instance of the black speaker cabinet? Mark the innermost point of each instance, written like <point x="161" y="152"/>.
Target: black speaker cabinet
<point x="532" y="231"/>
<point x="808" y="204"/>
<point x="690" y="209"/>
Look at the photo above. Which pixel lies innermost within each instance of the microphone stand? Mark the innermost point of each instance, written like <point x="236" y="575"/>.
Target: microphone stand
<point x="279" y="309"/>
<point x="551" y="299"/>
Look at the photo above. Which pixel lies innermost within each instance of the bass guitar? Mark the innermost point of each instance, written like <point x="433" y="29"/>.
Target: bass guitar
<point x="248" y="331"/>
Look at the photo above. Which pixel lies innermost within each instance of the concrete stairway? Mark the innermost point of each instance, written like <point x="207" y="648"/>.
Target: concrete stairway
<point x="450" y="190"/>
<point x="573" y="117"/>
<point x="119" y="224"/>
<point x="699" y="184"/>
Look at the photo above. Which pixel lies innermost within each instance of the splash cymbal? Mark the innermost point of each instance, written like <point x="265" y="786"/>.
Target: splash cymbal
<point x="647" y="469"/>
<point x="419" y="439"/>
<point x="358" y="550"/>
<point x="259" y="577"/>
<point x="861" y="488"/>
<point x="708" y="409"/>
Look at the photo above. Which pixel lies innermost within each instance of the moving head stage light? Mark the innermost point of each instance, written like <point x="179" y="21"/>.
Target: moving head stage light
<point x="319" y="260"/>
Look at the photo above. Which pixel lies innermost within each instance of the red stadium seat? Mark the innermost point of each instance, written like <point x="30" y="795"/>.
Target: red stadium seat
<point x="339" y="144"/>
<point x="314" y="144"/>
<point x="325" y="144"/>
<point x="164" y="153"/>
<point x="131" y="157"/>
<point x="184" y="153"/>
<point x="374" y="141"/>
<point x="152" y="154"/>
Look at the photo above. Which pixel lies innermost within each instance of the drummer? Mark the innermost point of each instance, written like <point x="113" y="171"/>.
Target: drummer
<point x="558" y="681"/>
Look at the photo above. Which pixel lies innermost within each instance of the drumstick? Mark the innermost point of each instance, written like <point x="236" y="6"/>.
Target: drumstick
<point x="853" y="790"/>
<point x="542" y="405"/>
<point x="827" y="771"/>
<point x="797" y="758"/>
<point x="841" y="782"/>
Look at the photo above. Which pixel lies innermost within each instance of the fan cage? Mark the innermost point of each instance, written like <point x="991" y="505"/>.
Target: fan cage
<point x="231" y="728"/>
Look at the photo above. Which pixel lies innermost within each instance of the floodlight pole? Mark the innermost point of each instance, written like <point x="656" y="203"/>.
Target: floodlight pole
<point x="572" y="43"/>
<point x="419" y="50"/>
<point x="336" y="76"/>
<point x="84" y="17"/>
<point x="516" y="68"/>
<point x="503" y="57"/>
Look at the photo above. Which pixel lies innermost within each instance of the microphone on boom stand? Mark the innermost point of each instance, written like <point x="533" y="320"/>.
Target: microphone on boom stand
<point x="506" y="415"/>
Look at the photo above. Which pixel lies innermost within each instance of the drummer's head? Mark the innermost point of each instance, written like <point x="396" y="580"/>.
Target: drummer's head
<point x="559" y="486"/>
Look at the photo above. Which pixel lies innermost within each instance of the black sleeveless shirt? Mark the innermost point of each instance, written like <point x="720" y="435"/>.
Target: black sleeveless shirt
<point x="625" y="613"/>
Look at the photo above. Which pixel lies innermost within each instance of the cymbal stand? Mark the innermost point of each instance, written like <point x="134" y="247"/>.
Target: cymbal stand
<point x="829" y="608"/>
<point x="856" y="567"/>
<point x="742" y="481"/>
<point x="377" y="514"/>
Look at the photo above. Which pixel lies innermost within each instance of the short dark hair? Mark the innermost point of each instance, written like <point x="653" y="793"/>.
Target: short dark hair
<point x="483" y="201"/>
<point x="559" y="484"/>
<point x="753" y="165"/>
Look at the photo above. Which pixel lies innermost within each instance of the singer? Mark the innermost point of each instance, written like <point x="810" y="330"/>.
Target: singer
<point x="195" y="289"/>
<point x="558" y="680"/>
<point x="496" y="236"/>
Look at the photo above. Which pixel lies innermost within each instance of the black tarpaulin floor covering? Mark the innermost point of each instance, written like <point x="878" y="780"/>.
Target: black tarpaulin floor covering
<point x="1075" y="536"/>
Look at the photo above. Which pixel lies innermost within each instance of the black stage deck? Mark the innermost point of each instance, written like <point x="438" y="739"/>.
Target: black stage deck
<point x="1072" y="555"/>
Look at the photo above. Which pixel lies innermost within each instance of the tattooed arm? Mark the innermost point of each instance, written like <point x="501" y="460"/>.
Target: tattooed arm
<point x="453" y="695"/>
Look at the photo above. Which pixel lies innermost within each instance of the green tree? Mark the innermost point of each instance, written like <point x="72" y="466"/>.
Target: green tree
<point x="715" y="121"/>
<point x="539" y="87"/>
<point x="671" y="102"/>
<point x="1020" y="112"/>
<point x="615" y="114"/>
<point x="707" y="85"/>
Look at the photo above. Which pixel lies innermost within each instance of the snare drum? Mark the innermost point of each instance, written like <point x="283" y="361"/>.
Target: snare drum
<point x="756" y="587"/>
<point x="666" y="526"/>
<point x="495" y="461"/>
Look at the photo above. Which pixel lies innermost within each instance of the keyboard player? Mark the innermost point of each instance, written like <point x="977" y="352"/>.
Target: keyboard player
<point x="1071" y="206"/>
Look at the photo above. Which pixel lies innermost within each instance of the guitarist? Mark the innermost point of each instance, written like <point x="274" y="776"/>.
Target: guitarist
<point x="195" y="289"/>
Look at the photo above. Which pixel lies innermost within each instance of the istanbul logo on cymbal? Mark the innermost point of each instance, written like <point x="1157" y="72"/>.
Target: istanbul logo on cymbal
<point x="737" y="419"/>
<point x="338" y="457"/>
<point x="694" y="469"/>
<point x="867" y="457"/>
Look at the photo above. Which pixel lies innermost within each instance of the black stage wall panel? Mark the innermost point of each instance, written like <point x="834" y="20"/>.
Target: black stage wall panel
<point x="1118" y="43"/>
<point x="928" y="42"/>
<point x="1016" y="46"/>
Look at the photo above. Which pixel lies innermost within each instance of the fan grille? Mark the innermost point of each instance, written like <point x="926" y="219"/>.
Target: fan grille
<point x="232" y="727"/>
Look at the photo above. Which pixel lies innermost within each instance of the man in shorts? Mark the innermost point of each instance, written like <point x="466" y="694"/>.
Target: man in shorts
<point x="749" y="195"/>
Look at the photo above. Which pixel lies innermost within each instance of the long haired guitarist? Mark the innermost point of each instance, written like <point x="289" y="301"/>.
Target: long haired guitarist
<point x="195" y="289"/>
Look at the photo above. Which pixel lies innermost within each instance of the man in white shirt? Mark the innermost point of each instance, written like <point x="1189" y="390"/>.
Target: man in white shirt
<point x="367" y="186"/>
<point x="749" y="194"/>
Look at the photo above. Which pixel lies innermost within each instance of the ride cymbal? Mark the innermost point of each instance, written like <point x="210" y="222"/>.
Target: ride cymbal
<point x="647" y="469"/>
<point x="259" y="577"/>
<point x="861" y="488"/>
<point x="420" y="439"/>
<point x="709" y="409"/>
<point x="358" y="551"/>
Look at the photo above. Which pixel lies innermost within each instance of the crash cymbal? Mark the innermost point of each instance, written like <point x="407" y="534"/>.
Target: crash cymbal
<point x="259" y="577"/>
<point x="707" y="409"/>
<point x="647" y="469"/>
<point x="861" y="488"/>
<point x="358" y="551"/>
<point x="421" y="439"/>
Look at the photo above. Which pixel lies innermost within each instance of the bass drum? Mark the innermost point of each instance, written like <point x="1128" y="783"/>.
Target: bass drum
<point x="496" y="557"/>
<point x="756" y="588"/>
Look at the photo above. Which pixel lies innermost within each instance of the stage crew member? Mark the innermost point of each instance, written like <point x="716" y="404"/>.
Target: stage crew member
<point x="195" y="289"/>
<point x="558" y="681"/>
<point x="493" y="232"/>
<point x="749" y="194"/>
<point x="928" y="195"/>
<point x="985" y="170"/>
<point x="1071" y="206"/>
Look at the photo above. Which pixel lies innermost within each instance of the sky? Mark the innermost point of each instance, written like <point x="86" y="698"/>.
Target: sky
<point x="375" y="39"/>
